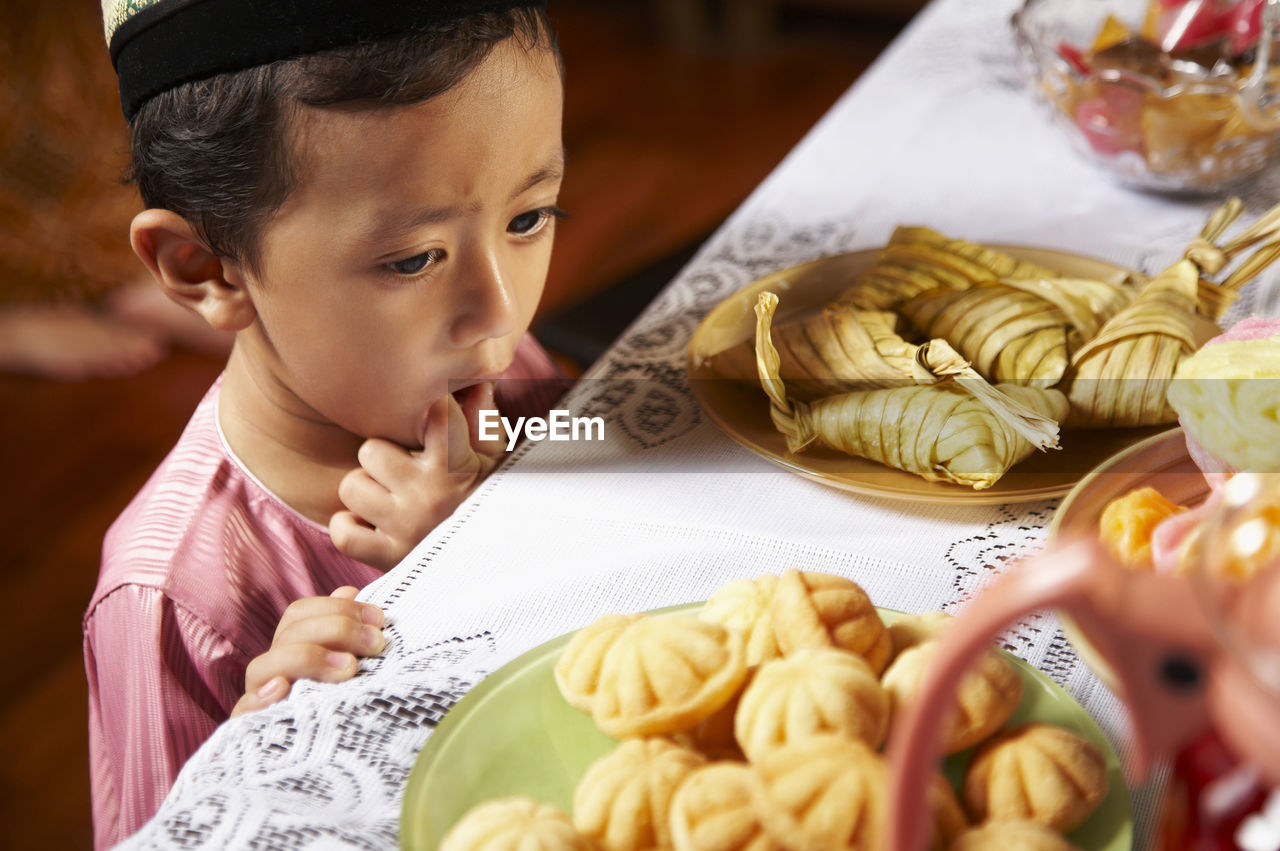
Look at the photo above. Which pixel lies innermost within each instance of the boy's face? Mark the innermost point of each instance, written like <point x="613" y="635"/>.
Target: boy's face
<point x="415" y="249"/>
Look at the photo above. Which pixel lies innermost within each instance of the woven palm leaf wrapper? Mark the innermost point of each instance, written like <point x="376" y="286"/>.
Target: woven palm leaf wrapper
<point x="1000" y="264"/>
<point x="944" y="422"/>
<point x="1120" y="377"/>
<point x="832" y="351"/>
<point x="1017" y="331"/>
<point x="918" y="259"/>
<point x="839" y="349"/>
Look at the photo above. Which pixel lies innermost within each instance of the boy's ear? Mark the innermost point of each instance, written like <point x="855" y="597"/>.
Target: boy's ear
<point x="189" y="272"/>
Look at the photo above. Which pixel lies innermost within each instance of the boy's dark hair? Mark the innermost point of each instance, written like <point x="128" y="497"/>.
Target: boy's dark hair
<point x="216" y="151"/>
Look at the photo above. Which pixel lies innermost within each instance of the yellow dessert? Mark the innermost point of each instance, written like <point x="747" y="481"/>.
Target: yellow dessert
<point x="824" y="793"/>
<point x="987" y="696"/>
<point x="811" y="692"/>
<point x="1227" y="396"/>
<point x="623" y="801"/>
<point x="515" y="824"/>
<point x="1011" y="835"/>
<point x="1036" y="771"/>
<point x="713" y="811"/>
<point x="823" y="610"/>
<point x="577" y="671"/>
<point x="665" y="674"/>
<point x="744" y="605"/>
<point x="909" y="630"/>
<point x="1127" y="523"/>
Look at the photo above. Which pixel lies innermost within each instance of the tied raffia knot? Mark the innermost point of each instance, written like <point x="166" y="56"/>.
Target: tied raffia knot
<point x="1209" y="258"/>
<point x="935" y="360"/>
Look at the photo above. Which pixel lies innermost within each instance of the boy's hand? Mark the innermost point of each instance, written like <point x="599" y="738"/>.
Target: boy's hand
<point x="395" y="497"/>
<point x="318" y="638"/>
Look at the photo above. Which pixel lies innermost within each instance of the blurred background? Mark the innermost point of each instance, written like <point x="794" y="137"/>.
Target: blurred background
<point x="675" y="111"/>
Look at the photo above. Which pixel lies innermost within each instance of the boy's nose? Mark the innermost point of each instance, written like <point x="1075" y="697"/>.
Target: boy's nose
<point x="488" y="307"/>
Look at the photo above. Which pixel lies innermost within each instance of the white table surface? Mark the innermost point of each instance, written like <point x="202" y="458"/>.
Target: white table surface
<point x="940" y="131"/>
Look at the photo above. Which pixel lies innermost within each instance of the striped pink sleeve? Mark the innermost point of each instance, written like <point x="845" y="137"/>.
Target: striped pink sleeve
<point x="154" y="697"/>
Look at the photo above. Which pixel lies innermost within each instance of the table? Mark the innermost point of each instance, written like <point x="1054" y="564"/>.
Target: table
<point x="940" y="131"/>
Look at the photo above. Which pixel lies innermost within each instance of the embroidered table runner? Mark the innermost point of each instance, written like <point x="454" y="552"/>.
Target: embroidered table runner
<point x="941" y="131"/>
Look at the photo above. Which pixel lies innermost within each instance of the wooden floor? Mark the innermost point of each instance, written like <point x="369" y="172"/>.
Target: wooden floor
<point x="665" y="138"/>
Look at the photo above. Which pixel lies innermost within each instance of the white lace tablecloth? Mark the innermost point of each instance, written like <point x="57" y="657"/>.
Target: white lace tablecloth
<point x="940" y="131"/>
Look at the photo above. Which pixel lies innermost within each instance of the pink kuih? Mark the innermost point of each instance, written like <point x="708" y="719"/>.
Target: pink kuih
<point x="1253" y="328"/>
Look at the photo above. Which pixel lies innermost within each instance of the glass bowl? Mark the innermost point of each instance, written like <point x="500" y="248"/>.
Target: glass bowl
<point x="1172" y="96"/>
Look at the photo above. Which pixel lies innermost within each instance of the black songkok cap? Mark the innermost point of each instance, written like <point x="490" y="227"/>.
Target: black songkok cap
<point x="158" y="44"/>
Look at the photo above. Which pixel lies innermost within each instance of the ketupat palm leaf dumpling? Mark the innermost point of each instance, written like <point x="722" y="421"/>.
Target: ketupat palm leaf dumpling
<point x="1121" y="376"/>
<point x="841" y="349"/>
<point x="1000" y="264"/>
<point x="918" y="259"/>
<point x="938" y="431"/>
<point x="1007" y="335"/>
<point x="836" y="349"/>
<point x="959" y="430"/>
<point x="1018" y="331"/>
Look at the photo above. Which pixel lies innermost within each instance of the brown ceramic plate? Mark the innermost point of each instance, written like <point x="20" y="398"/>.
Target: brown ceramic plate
<point x="1159" y="462"/>
<point x="721" y="375"/>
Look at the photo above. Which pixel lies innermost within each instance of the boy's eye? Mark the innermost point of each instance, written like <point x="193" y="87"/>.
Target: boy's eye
<point x="415" y="264"/>
<point x="527" y="224"/>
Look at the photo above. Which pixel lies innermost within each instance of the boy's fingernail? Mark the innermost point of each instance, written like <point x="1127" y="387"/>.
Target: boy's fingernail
<point x="371" y="615"/>
<point x="272" y="688"/>
<point x="371" y="638"/>
<point x="338" y="660"/>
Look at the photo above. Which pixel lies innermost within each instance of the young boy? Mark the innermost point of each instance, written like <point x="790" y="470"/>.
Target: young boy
<point x="365" y="196"/>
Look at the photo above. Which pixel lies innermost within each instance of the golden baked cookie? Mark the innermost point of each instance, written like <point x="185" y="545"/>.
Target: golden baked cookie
<point x="827" y="793"/>
<point x="713" y="737"/>
<point x="515" y="824"/>
<point x="744" y="605"/>
<point x="1036" y="771"/>
<point x="823" y="793"/>
<point x="810" y="692"/>
<point x="713" y="811"/>
<point x="823" y="610"/>
<point x="909" y="630"/>
<point x="949" y="819"/>
<point x="623" y="800"/>
<point x="663" y="674"/>
<point x="1011" y="835"/>
<point x="987" y="697"/>
<point x="577" y="671"/>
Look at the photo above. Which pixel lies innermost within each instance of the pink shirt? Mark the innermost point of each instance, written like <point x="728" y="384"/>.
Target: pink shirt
<point x="196" y="573"/>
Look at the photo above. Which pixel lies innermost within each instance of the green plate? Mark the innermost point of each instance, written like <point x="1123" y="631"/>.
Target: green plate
<point x="513" y="734"/>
